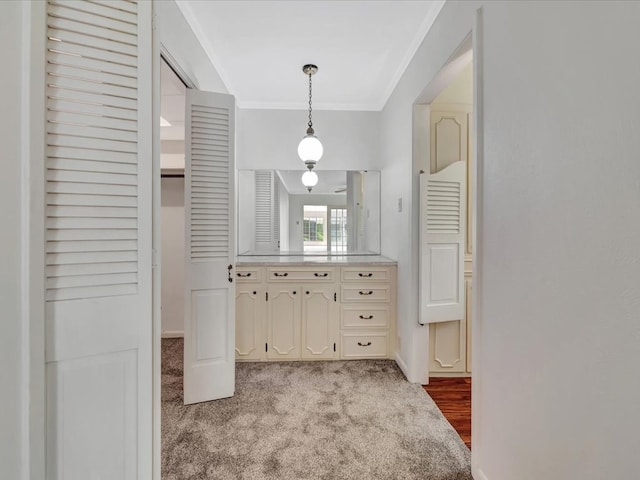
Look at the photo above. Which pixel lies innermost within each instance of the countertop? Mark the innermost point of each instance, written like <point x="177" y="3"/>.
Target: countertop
<point x="302" y="260"/>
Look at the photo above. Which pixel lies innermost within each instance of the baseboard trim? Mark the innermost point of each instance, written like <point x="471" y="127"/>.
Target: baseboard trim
<point x="402" y="365"/>
<point x="172" y="334"/>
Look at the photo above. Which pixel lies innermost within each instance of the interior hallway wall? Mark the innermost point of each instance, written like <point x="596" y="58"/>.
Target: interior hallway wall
<point x="13" y="324"/>
<point x="172" y="256"/>
<point x="556" y="332"/>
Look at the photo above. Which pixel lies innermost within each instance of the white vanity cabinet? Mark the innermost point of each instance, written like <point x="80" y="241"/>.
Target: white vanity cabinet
<point x="367" y="312"/>
<point x="315" y="312"/>
<point x="250" y="313"/>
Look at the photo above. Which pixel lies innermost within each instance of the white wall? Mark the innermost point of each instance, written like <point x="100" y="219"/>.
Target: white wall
<point x="268" y="139"/>
<point x="172" y="256"/>
<point x="13" y="404"/>
<point x="179" y="40"/>
<point x="556" y="331"/>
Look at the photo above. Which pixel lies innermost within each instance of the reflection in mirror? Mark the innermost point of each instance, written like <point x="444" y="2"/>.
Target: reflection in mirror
<point x="278" y="216"/>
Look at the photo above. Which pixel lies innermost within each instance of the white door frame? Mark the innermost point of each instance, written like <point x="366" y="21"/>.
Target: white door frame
<point x="160" y="53"/>
<point x="421" y="150"/>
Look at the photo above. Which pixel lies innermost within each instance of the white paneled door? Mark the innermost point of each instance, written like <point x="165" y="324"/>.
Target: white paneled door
<point x="442" y="235"/>
<point x="209" y="330"/>
<point x="98" y="240"/>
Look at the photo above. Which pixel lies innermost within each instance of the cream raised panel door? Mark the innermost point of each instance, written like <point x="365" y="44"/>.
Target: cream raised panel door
<point x="250" y="317"/>
<point x="284" y="307"/>
<point x="319" y="321"/>
<point x="448" y="347"/>
<point x="448" y="139"/>
<point x="209" y="326"/>
<point x="98" y="228"/>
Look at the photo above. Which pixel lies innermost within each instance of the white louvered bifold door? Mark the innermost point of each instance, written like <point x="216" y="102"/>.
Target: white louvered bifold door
<point x="98" y="240"/>
<point x="209" y="327"/>
<point x="442" y="234"/>
<point x="265" y="218"/>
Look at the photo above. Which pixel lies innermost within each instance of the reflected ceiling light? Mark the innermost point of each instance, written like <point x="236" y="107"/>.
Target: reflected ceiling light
<point x="164" y="122"/>
<point x="310" y="148"/>
<point x="309" y="179"/>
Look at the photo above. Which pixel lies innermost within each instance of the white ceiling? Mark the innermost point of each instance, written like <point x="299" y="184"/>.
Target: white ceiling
<point x="172" y="106"/>
<point x="361" y="48"/>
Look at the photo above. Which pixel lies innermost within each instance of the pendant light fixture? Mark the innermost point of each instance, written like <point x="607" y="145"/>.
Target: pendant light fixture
<point x="310" y="149"/>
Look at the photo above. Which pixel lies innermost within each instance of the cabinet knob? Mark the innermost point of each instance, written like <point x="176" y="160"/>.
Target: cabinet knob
<point x="307" y="292"/>
<point x="370" y="292"/>
<point x="364" y="344"/>
<point x="294" y="292"/>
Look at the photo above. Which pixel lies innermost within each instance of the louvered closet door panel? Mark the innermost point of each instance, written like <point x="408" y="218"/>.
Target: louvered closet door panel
<point x="209" y="368"/>
<point x="264" y="219"/>
<point x="442" y="234"/>
<point x="98" y="239"/>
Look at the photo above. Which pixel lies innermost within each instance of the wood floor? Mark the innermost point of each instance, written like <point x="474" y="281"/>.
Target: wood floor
<point x="453" y="397"/>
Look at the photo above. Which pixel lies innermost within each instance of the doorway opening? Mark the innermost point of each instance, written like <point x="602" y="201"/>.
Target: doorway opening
<point x="444" y="130"/>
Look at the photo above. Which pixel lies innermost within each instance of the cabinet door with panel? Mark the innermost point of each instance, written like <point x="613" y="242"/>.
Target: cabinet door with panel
<point x="448" y="347"/>
<point x="319" y="322"/>
<point x="250" y="318"/>
<point x="284" y="307"/>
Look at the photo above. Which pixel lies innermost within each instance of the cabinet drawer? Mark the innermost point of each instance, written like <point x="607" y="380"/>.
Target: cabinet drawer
<point x="306" y="274"/>
<point x="365" y="316"/>
<point x="249" y="274"/>
<point x="364" y="345"/>
<point x="366" y="293"/>
<point x="365" y="274"/>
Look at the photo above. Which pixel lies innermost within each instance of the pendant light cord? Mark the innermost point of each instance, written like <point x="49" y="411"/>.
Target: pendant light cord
<point x="310" y="122"/>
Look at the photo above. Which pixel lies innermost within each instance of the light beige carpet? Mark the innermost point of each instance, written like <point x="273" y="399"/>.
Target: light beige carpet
<point x="308" y="420"/>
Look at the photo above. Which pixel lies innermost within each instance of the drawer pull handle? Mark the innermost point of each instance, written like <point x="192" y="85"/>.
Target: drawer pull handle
<point x="320" y="274"/>
<point x="367" y="275"/>
<point x="366" y="318"/>
<point x="364" y="344"/>
<point x="243" y="275"/>
<point x="370" y="292"/>
<point x="276" y="274"/>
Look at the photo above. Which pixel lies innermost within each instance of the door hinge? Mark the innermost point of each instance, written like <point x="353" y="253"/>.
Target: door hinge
<point x="266" y="296"/>
<point x="335" y="297"/>
<point x="266" y="347"/>
<point x="334" y="346"/>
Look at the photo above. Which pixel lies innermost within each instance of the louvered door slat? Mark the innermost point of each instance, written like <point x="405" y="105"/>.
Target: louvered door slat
<point x="90" y="154"/>
<point x="87" y="165"/>
<point x="86" y="85"/>
<point x="77" y="269"/>
<point x="72" y="25"/>
<point x="209" y="182"/>
<point x="114" y="9"/>
<point x="125" y="5"/>
<point x="73" y="39"/>
<point x="89" y="15"/>
<point x="82" y="176"/>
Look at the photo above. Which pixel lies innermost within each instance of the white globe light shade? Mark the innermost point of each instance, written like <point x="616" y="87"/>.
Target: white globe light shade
<point x="310" y="149"/>
<point x="309" y="179"/>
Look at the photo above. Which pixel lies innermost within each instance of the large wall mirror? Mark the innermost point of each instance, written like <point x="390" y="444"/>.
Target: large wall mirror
<point x="278" y="216"/>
